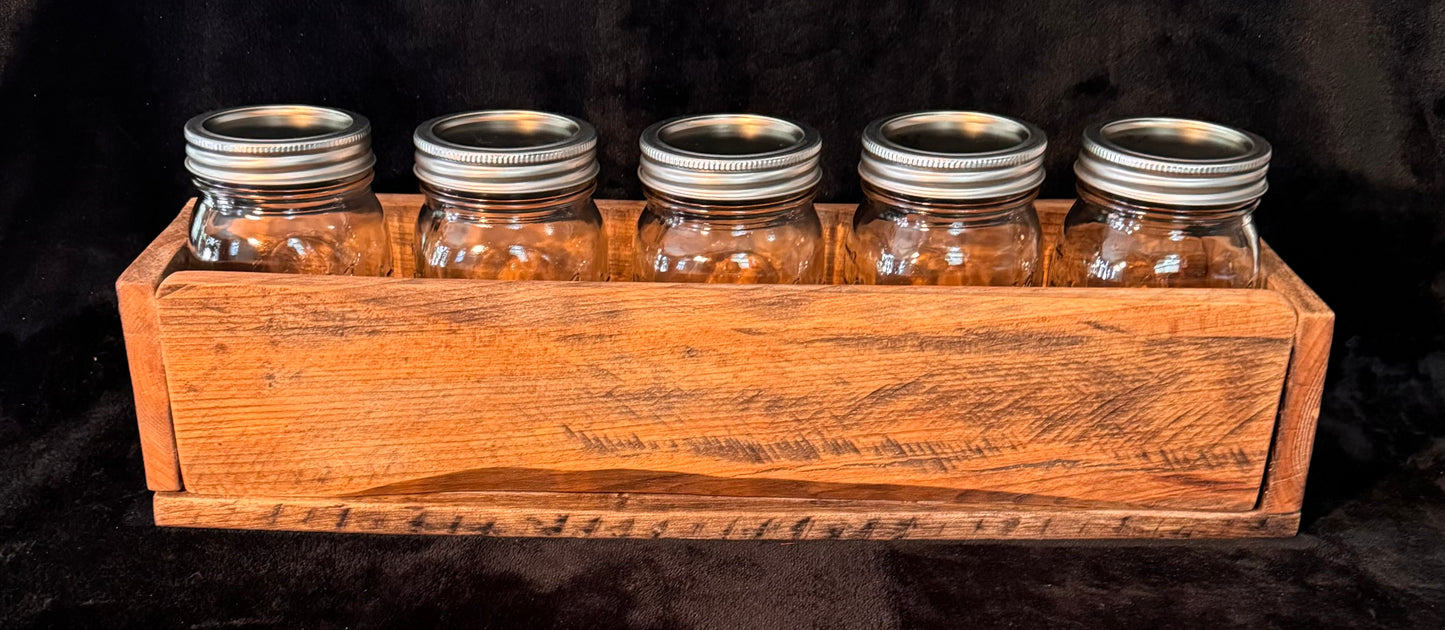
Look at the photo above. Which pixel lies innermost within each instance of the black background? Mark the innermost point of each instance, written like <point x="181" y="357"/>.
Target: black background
<point x="92" y="98"/>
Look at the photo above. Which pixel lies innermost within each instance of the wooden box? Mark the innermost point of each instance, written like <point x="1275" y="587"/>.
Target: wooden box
<point x="619" y="409"/>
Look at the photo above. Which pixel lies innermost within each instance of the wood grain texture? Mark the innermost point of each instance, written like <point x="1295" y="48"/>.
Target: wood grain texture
<point x="837" y="223"/>
<point x="641" y="516"/>
<point x="1051" y="222"/>
<point x="1300" y="404"/>
<point x="619" y="218"/>
<point x="135" y="293"/>
<point x="848" y="373"/>
<point x="322" y="386"/>
<point x="1051" y="218"/>
<point x="401" y="212"/>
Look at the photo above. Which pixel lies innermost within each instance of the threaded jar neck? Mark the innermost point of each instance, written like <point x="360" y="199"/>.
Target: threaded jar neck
<point x="1161" y="213"/>
<point x="982" y="208"/>
<point x="507" y="208"/>
<point x="286" y="199"/>
<point x="778" y="206"/>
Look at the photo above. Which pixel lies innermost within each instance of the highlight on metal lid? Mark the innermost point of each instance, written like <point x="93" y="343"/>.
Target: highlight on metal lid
<point x="278" y="145"/>
<point x="730" y="157"/>
<point x="953" y="155"/>
<point x="506" y="152"/>
<point x="1174" y="162"/>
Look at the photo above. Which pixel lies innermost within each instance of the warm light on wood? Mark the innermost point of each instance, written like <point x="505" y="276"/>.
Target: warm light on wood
<point x="286" y="402"/>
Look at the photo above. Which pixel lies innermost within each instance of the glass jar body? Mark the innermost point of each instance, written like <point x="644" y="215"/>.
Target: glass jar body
<point x="773" y="242"/>
<point x="334" y="229"/>
<point x="549" y="237"/>
<point x="1112" y="242"/>
<point x="898" y="240"/>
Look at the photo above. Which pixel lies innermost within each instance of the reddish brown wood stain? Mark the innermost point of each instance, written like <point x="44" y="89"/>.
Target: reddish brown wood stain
<point x="790" y="411"/>
<point x="597" y="516"/>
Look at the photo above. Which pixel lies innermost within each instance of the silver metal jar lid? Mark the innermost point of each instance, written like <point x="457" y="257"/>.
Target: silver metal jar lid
<point x="1174" y="162"/>
<point x="730" y="157"/>
<point x="278" y="145"/>
<point x="506" y="152"/>
<point x="953" y="155"/>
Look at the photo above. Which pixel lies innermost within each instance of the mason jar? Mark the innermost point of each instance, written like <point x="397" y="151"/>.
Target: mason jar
<point x="729" y="200"/>
<point x="285" y="188"/>
<point x="1164" y="202"/>
<point x="948" y="199"/>
<point x="508" y="197"/>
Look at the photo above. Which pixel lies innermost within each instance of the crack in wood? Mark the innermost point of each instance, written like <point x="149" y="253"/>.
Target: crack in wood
<point x="942" y="455"/>
<point x="964" y="341"/>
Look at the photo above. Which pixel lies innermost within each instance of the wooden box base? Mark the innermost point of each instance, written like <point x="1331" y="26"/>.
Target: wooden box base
<point x="591" y="515"/>
<point x="684" y="411"/>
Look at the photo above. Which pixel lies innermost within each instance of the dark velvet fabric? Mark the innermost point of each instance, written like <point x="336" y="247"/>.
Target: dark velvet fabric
<point x="93" y="96"/>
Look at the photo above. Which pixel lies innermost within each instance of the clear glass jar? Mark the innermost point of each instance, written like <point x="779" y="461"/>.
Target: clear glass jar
<point x="899" y="240"/>
<point x="285" y="188"/>
<point x="775" y="241"/>
<point x="948" y="200"/>
<point x="509" y="197"/>
<point x="729" y="200"/>
<point x="1109" y="242"/>
<point x="1164" y="203"/>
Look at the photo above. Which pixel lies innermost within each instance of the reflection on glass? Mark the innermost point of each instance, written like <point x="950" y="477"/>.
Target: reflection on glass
<point x="329" y="229"/>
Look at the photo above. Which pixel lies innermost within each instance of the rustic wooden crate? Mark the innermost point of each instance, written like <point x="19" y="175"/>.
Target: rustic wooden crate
<point x="401" y="405"/>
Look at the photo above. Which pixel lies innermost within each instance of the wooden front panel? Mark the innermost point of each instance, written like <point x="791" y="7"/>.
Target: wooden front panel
<point x="325" y="386"/>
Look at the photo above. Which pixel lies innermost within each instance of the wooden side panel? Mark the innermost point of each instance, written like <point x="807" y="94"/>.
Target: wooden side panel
<point x="323" y="386"/>
<point x="135" y="292"/>
<point x="629" y="516"/>
<point x="1300" y="405"/>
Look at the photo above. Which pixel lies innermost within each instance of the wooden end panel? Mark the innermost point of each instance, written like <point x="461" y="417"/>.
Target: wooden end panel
<point x="1299" y="412"/>
<point x="135" y="293"/>
<point x="577" y="515"/>
<point x="324" y="386"/>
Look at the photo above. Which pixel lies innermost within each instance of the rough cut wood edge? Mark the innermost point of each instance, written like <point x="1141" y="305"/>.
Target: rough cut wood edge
<point x="562" y="515"/>
<point x="136" y="294"/>
<point x="1289" y="458"/>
